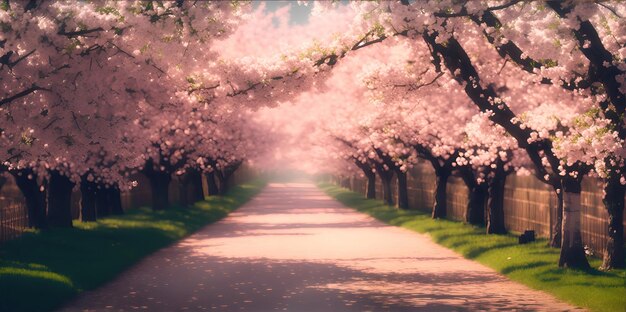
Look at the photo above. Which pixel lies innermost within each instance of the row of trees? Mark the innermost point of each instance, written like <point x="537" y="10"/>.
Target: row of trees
<point x="95" y="92"/>
<point x="485" y="89"/>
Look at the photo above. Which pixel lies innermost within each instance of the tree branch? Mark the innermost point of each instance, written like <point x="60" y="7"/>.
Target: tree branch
<point x="78" y="33"/>
<point x="21" y="94"/>
<point x="593" y="49"/>
<point x="463" y="12"/>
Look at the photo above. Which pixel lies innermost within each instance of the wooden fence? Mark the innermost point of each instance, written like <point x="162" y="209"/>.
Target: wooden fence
<point x="529" y="204"/>
<point x="14" y="216"/>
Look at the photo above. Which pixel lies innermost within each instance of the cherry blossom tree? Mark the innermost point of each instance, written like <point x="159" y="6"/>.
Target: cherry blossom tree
<point x="450" y="38"/>
<point x="94" y="92"/>
<point x="57" y="102"/>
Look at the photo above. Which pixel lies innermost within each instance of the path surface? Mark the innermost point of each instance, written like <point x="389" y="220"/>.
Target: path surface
<point x="294" y="248"/>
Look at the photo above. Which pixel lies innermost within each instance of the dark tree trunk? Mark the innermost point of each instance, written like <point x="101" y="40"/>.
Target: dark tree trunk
<point x="475" y="213"/>
<point x="88" y="191"/>
<point x="345" y="182"/>
<point x="572" y="250"/>
<point x="160" y="188"/>
<point x="103" y="201"/>
<point x="557" y="230"/>
<point x="196" y="185"/>
<point x="183" y="190"/>
<point x="385" y="179"/>
<point x="371" y="186"/>
<point x="226" y="175"/>
<point x="115" y="200"/>
<point x="440" y="204"/>
<point x="35" y="198"/>
<point x="226" y="183"/>
<point x="403" y="196"/>
<point x="223" y="182"/>
<point x="159" y="185"/>
<point x="387" y="192"/>
<point x="60" y="200"/>
<point x="211" y="184"/>
<point x="3" y="180"/>
<point x="476" y="197"/>
<point x="614" y="204"/>
<point x="495" y="203"/>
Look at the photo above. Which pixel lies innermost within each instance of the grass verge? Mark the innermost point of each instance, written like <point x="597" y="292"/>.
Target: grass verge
<point x="534" y="264"/>
<point x="42" y="270"/>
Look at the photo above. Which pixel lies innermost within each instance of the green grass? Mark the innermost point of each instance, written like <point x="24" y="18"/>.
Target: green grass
<point x="534" y="264"/>
<point x="41" y="270"/>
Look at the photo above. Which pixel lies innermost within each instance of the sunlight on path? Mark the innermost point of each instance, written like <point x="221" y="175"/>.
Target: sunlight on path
<point x="294" y="248"/>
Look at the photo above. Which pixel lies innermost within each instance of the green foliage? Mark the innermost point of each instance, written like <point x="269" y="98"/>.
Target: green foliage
<point x="27" y="139"/>
<point x="41" y="270"/>
<point x="4" y="5"/>
<point x="534" y="264"/>
<point x="149" y="6"/>
<point x="107" y="10"/>
<point x="144" y="48"/>
<point x="378" y="29"/>
<point x="548" y="63"/>
<point x="238" y="4"/>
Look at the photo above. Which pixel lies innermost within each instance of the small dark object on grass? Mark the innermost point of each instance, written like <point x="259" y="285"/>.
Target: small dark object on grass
<point x="527" y="237"/>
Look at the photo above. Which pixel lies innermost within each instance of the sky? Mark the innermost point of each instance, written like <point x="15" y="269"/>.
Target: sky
<point x="299" y="13"/>
<point x="276" y="27"/>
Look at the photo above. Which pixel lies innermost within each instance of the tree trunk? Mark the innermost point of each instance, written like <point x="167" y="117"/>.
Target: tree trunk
<point x="87" y="200"/>
<point x="614" y="203"/>
<point x="159" y="185"/>
<point x="387" y="192"/>
<point x="403" y="196"/>
<point x="572" y="250"/>
<point x="35" y="198"/>
<point x="211" y="184"/>
<point x="196" y="185"/>
<point x="385" y="178"/>
<point x="183" y="190"/>
<point x="115" y="200"/>
<point x="220" y="182"/>
<point x="440" y="204"/>
<point x="345" y="183"/>
<point x="3" y="180"/>
<point x="371" y="186"/>
<point x="103" y="202"/>
<point x="160" y="188"/>
<point x="60" y="200"/>
<point x="495" y="204"/>
<point x="225" y="183"/>
<point x="555" y="240"/>
<point x="475" y="213"/>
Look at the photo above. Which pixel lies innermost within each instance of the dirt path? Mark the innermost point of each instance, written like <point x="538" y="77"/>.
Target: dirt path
<point x="293" y="248"/>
